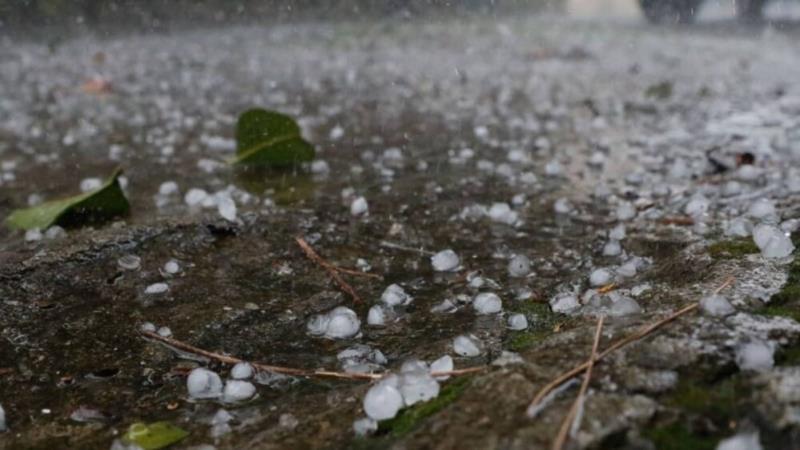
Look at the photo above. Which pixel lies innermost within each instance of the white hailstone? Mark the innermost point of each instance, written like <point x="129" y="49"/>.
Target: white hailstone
<point x="731" y="188"/>
<point x="336" y="133"/>
<point x="156" y="288"/>
<point x="318" y="324"/>
<point x="755" y="355"/>
<point x="33" y="235"/>
<point x="383" y="401"/>
<point x="741" y="441"/>
<point x="617" y="233"/>
<point x="600" y="277"/>
<point x="563" y="303"/>
<point x="553" y="168"/>
<point x="716" y="305"/>
<point x="343" y="323"/>
<point x="418" y="386"/>
<point x="502" y="213"/>
<point x="443" y="364"/>
<point x="148" y="326"/>
<point x="773" y="242"/>
<point x="320" y="167"/>
<point x="697" y="206"/>
<point x="739" y="227"/>
<point x="748" y="172"/>
<point x="445" y="261"/>
<point x="288" y="421"/>
<point x="3" y="425"/>
<point x="517" y="322"/>
<point x="625" y="211"/>
<point x="487" y="303"/>
<point x="55" y="232"/>
<point x="195" y="197"/>
<point x="365" y="426"/>
<point x="446" y="306"/>
<point x="219" y="423"/>
<point x="226" y="207"/>
<point x="563" y="206"/>
<point x="90" y="184"/>
<point x="238" y="391"/>
<point x="466" y="346"/>
<point x="601" y="191"/>
<point x="359" y="206"/>
<point x="612" y="248"/>
<point x="172" y="267"/>
<point x="242" y="371"/>
<point x="628" y="269"/>
<point x="394" y="295"/>
<point x="597" y="159"/>
<point x="761" y="209"/>
<point x="203" y="383"/>
<point x="519" y="266"/>
<point x="168" y="188"/>
<point x="624" y="306"/>
<point x="35" y="199"/>
<point x="165" y="332"/>
<point x="376" y="316"/>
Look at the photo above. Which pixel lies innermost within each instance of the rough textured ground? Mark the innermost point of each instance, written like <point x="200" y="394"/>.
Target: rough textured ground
<point x="522" y="94"/>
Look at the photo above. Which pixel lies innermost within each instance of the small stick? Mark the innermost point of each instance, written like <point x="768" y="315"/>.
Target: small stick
<point x="533" y="410"/>
<point x="231" y="360"/>
<point x="569" y="420"/>
<point x="677" y="220"/>
<point x="394" y="246"/>
<point x="312" y="255"/>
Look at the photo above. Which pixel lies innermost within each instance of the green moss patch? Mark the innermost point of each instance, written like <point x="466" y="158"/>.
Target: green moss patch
<point x="676" y="436"/>
<point x="542" y="321"/>
<point x="732" y="248"/>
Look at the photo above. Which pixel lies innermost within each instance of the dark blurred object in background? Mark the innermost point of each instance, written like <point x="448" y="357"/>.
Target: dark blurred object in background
<point x="163" y="14"/>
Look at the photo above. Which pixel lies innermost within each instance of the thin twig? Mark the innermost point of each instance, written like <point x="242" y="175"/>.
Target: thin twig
<point x="643" y="332"/>
<point x="569" y="420"/>
<point x="395" y="246"/>
<point x="312" y="255"/>
<point x="231" y="360"/>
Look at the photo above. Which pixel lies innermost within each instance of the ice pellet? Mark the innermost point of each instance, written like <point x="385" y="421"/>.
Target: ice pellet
<point x="342" y="323"/>
<point x="755" y="355"/>
<point x="376" y="316"/>
<point x="502" y="213"/>
<point x="195" y="197"/>
<point x="3" y="424"/>
<point x="242" y="371"/>
<point x="148" y="326"/>
<point x="445" y="261"/>
<point x="519" y="266"/>
<point x="487" y="303"/>
<point x="741" y="441"/>
<point x="238" y="391"/>
<point x="365" y="426"/>
<point x="617" y="233"/>
<point x="165" y="332"/>
<point x="418" y="386"/>
<point x="772" y="241"/>
<point x="172" y="267"/>
<point x="466" y="346"/>
<point x="168" y="188"/>
<point x="383" y="401"/>
<point x="612" y="248"/>
<point x="563" y="303"/>
<point x="600" y="277"/>
<point x="443" y="364"/>
<point x="156" y="288"/>
<point x="359" y="206"/>
<point x="394" y="295"/>
<point x="129" y="262"/>
<point x="762" y="209"/>
<point x="716" y="305"/>
<point x="203" y="383"/>
<point x="624" y="306"/>
<point x="33" y="235"/>
<point x="90" y="184"/>
<point x="226" y="208"/>
<point x="517" y="322"/>
<point x="625" y="211"/>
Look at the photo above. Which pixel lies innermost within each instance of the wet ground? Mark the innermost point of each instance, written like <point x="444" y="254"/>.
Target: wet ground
<point x="432" y="122"/>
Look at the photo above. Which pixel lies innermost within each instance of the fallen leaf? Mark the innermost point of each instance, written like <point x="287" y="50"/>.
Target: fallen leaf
<point x="269" y="138"/>
<point x="98" y="205"/>
<point x="155" y="435"/>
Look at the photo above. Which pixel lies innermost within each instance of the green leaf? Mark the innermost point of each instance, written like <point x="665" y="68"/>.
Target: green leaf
<point x="95" y="206"/>
<point x="155" y="435"/>
<point x="271" y="139"/>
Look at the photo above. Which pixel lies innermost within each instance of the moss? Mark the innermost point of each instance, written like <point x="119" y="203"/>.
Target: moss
<point x="676" y="436"/>
<point x="776" y="310"/>
<point x="542" y="322"/>
<point x="720" y="402"/>
<point x="732" y="248"/>
<point x="408" y="419"/>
